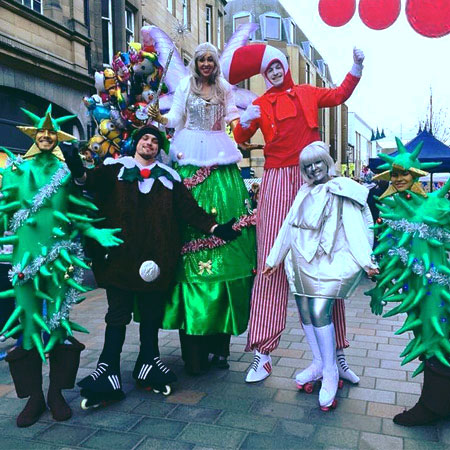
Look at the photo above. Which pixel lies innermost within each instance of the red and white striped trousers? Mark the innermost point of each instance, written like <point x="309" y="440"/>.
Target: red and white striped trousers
<point x="270" y="294"/>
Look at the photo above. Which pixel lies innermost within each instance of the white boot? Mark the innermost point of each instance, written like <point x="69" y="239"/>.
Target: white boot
<point x="314" y="371"/>
<point x="327" y="345"/>
<point x="260" y="368"/>
<point x="345" y="372"/>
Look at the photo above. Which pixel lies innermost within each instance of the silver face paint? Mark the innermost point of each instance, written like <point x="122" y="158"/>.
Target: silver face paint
<point x="317" y="172"/>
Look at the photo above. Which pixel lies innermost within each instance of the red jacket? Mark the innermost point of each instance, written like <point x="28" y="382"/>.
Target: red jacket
<point x="276" y="106"/>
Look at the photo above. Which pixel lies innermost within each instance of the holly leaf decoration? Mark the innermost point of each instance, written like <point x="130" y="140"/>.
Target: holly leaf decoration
<point x="132" y="174"/>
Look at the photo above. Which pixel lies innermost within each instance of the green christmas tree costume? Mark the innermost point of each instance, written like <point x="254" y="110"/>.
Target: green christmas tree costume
<point x="43" y="215"/>
<point x="213" y="283"/>
<point x="414" y="238"/>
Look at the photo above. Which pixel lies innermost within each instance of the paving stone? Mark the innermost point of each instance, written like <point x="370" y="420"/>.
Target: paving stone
<point x="383" y="410"/>
<point x="159" y="428"/>
<point x="9" y="428"/>
<point x="58" y="434"/>
<point x="112" y="440"/>
<point x="163" y="444"/>
<point x="372" y="441"/>
<point x="338" y="436"/>
<point x="375" y="395"/>
<point x="106" y="419"/>
<point x="385" y="373"/>
<point x="298" y="429"/>
<point x="153" y="409"/>
<point x="425" y="433"/>
<point x="19" y="444"/>
<point x="251" y="422"/>
<point x="263" y="441"/>
<point x="227" y="402"/>
<point x="186" y="397"/>
<point x="212" y="435"/>
<point x="407" y="400"/>
<point x="195" y="414"/>
<point x="281" y="410"/>
<point x="399" y="386"/>
<point x="411" y="444"/>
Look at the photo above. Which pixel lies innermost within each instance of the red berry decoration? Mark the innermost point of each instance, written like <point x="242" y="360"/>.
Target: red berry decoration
<point x="430" y="18"/>
<point x="336" y="13"/>
<point x="379" y="14"/>
<point x="145" y="173"/>
<point x="21" y="275"/>
<point x="379" y="220"/>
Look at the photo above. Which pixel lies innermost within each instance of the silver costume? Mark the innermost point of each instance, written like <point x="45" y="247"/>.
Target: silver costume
<point x="327" y="233"/>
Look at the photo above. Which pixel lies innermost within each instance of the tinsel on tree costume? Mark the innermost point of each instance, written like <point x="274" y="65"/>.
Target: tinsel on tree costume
<point x="414" y="238"/>
<point x="42" y="215"/>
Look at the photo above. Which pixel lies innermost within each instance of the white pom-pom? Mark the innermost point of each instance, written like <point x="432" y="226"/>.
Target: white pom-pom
<point x="149" y="271"/>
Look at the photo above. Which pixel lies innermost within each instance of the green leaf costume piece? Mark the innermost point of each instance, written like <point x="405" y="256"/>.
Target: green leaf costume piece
<point x="414" y="237"/>
<point x="42" y="213"/>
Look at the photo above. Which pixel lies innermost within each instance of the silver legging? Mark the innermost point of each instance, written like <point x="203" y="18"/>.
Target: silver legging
<point x="316" y="311"/>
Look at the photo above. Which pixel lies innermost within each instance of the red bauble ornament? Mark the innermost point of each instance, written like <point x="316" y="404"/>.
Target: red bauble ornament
<point x="430" y="18"/>
<point x="408" y="196"/>
<point x="379" y="14"/>
<point x="145" y="173"/>
<point x="336" y="13"/>
<point x="21" y="275"/>
<point x="254" y="271"/>
<point x="379" y="220"/>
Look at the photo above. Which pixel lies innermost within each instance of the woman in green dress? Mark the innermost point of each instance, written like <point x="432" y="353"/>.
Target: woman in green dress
<point x="211" y="298"/>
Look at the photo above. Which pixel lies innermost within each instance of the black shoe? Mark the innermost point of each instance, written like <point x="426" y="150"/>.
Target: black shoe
<point x="220" y="362"/>
<point x="417" y="415"/>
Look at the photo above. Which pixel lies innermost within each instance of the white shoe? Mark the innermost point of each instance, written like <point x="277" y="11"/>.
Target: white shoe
<point x="260" y="368"/>
<point x="314" y="371"/>
<point x="330" y="379"/>
<point x="344" y="371"/>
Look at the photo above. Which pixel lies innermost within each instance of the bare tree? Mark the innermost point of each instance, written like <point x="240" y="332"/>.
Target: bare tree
<point x="437" y="121"/>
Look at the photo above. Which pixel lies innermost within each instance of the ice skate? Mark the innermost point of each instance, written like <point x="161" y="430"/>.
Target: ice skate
<point x="345" y="373"/>
<point x="154" y="375"/>
<point x="101" y="387"/>
<point x="260" y="368"/>
<point x="330" y="375"/>
<point x="306" y="379"/>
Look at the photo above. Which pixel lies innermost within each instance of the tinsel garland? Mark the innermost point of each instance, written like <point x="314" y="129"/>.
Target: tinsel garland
<point x="199" y="176"/>
<point x="39" y="199"/>
<point x="423" y="230"/>
<point x="31" y="269"/>
<point x="17" y="161"/>
<point x="213" y="241"/>
<point x="433" y="275"/>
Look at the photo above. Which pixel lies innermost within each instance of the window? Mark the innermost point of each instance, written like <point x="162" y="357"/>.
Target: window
<point x="307" y="49"/>
<point x="35" y="5"/>
<point x="170" y="6"/>
<point x="129" y="25"/>
<point x="271" y="26"/>
<point x="307" y="73"/>
<point x="321" y="66"/>
<point x="208" y="23"/>
<point x="186" y="57"/>
<point x="240" y="18"/>
<point x="107" y="31"/>
<point x="219" y="30"/>
<point x="289" y="29"/>
<point x="186" y="8"/>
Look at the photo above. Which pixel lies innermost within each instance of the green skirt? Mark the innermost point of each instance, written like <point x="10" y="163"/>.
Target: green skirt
<point x="213" y="286"/>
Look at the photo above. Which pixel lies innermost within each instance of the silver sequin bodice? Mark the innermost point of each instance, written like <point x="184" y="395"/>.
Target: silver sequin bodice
<point x="203" y="115"/>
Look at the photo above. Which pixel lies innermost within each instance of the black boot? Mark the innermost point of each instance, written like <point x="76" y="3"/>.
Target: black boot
<point x="194" y="352"/>
<point x="26" y="371"/>
<point x="219" y="346"/>
<point x="64" y="363"/>
<point x="434" y="401"/>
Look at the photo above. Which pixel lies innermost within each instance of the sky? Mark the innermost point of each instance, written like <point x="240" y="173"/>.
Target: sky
<point x="400" y="67"/>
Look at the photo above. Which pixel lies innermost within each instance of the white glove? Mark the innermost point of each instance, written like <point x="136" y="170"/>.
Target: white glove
<point x="252" y="112"/>
<point x="358" y="58"/>
<point x="149" y="271"/>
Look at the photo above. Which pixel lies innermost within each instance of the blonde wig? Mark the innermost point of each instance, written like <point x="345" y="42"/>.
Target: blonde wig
<point x="215" y="79"/>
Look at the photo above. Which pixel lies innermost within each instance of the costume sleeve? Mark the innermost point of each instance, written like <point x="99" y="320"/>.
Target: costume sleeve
<point x="356" y="234"/>
<point x="188" y="211"/>
<point x="242" y="135"/>
<point x="176" y="114"/>
<point x="327" y="97"/>
<point x="231" y="111"/>
<point x="368" y="219"/>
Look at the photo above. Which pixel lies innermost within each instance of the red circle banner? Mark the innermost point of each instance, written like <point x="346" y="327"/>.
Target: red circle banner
<point x="336" y="13"/>
<point x="379" y="14"/>
<point x="430" y="18"/>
